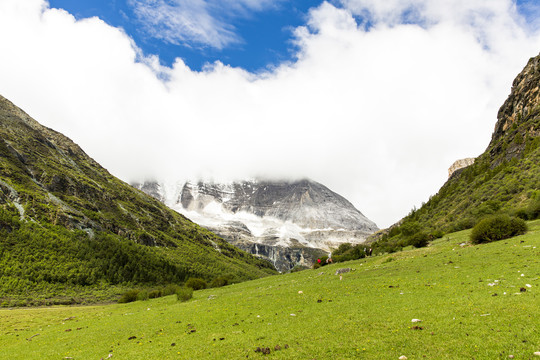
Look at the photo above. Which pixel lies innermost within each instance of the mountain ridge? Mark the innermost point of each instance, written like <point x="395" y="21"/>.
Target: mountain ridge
<point x="290" y="222"/>
<point x="58" y="203"/>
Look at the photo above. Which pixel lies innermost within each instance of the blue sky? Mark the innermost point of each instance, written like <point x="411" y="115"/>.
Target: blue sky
<point x="375" y="99"/>
<point x="263" y="36"/>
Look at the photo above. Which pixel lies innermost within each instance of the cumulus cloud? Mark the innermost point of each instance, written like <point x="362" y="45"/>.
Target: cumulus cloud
<point x="377" y="113"/>
<point x="195" y="22"/>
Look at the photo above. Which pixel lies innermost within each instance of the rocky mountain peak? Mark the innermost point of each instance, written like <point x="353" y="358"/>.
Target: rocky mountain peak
<point x="274" y="217"/>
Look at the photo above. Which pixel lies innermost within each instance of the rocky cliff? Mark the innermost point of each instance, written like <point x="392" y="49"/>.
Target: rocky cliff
<point x="460" y="164"/>
<point x="517" y="120"/>
<point x="289" y="222"/>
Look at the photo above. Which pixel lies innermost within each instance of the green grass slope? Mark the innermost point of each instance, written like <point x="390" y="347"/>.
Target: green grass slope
<point x="470" y="301"/>
<point x="72" y="232"/>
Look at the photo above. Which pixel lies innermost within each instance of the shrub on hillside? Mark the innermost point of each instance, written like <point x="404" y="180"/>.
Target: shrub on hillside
<point x="497" y="228"/>
<point x="220" y="281"/>
<point x="347" y="252"/>
<point x="143" y="295"/>
<point x="129" y="296"/>
<point x="154" y="294"/>
<point x="342" y="249"/>
<point x="463" y="224"/>
<point x="170" y="289"/>
<point x="196" y="283"/>
<point x="184" y="294"/>
<point x="419" y="240"/>
<point x="437" y="234"/>
<point x="298" y="268"/>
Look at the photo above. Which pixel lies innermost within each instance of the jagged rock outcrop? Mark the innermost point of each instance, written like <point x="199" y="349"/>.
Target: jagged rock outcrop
<point x="289" y="222"/>
<point x="517" y="119"/>
<point x="460" y="164"/>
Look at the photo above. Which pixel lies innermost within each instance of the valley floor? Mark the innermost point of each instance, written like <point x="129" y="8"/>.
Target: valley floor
<point x="474" y="302"/>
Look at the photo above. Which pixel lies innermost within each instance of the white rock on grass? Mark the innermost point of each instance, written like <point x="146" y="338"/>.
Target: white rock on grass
<point x="416" y="320"/>
<point x="402" y="357"/>
<point x="537" y="353"/>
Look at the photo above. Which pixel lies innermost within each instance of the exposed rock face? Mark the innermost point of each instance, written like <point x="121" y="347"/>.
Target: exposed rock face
<point x="460" y="164"/>
<point x="522" y="103"/>
<point x="290" y="223"/>
<point x="517" y="120"/>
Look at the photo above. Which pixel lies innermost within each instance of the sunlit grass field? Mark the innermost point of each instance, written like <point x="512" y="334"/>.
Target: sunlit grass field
<point x="480" y="302"/>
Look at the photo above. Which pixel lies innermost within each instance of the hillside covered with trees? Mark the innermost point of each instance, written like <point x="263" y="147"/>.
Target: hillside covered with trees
<point x="68" y="227"/>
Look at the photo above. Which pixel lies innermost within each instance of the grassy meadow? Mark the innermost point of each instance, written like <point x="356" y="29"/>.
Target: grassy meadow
<point x="470" y="301"/>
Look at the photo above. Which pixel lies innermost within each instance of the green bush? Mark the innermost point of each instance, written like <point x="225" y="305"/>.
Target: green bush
<point x="129" y="296"/>
<point x="154" y="294"/>
<point x="418" y="240"/>
<point x="142" y="295"/>
<point x="534" y="210"/>
<point x="298" y="268"/>
<point x="497" y="228"/>
<point x="220" y="281"/>
<point x="170" y="289"/>
<point x="184" y="294"/>
<point x="196" y="283"/>
<point x="342" y="249"/>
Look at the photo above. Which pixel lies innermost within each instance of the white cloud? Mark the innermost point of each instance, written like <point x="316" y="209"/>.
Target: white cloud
<point x="195" y="22"/>
<point x="378" y="116"/>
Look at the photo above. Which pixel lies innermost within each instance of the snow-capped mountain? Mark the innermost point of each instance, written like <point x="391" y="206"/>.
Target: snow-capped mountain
<point x="288" y="222"/>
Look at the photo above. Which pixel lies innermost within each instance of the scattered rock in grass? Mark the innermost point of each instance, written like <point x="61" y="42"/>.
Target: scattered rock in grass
<point x="416" y="327"/>
<point x="132" y="337"/>
<point x="300" y="292"/>
<point x="416" y="320"/>
<point x="286" y="346"/>
<point x="67" y="330"/>
<point x="173" y="344"/>
<point x="522" y="289"/>
<point x="319" y="301"/>
<point x="211" y="297"/>
<point x="537" y="353"/>
<point x="528" y="285"/>
<point x="495" y="294"/>
<point x="293" y="314"/>
<point x="342" y="271"/>
<point x="277" y="348"/>
<point x="510" y="356"/>
<point x="402" y="357"/>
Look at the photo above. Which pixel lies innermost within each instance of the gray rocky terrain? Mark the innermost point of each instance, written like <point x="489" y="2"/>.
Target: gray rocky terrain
<point x="288" y="222"/>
